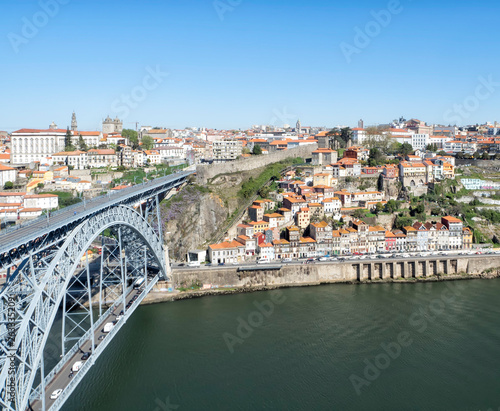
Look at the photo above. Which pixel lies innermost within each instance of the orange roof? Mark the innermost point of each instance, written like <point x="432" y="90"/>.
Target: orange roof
<point x="452" y="219"/>
<point x="281" y="241"/>
<point x="30" y="210"/>
<point x="322" y="224"/>
<point x="226" y="244"/>
<point x="3" y="167"/>
<point x="258" y="223"/>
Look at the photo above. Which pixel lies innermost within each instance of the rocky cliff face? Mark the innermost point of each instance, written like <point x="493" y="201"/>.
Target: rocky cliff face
<point x="192" y="218"/>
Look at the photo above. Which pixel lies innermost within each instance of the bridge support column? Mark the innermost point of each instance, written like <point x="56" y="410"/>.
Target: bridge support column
<point x="426" y="269"/>
<point x="372" y="271"/>
<point x="404" y="270"/>
<point x="383" y="272"/>
<point x="168" y="269"/>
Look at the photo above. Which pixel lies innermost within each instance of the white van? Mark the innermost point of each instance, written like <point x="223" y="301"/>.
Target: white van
<point x="194" y="264"/>
<point x="108" y="327"/>
<point x="76" y="366"/>
<point x="263" y="261"/>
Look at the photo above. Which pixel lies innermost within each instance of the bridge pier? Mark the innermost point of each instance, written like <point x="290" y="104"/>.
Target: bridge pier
<point x="404" y="270"/>
<point x="383" y="273"/>
<point x="168" y="269"/>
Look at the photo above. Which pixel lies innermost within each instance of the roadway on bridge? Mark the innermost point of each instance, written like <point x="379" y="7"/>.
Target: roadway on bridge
<point x="42" y="225"/>
<point x="62" y="379"/>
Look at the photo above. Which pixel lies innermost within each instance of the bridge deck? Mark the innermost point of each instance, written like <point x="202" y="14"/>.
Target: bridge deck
<point x="12" y="237"/>
<point x="61" y="379"/>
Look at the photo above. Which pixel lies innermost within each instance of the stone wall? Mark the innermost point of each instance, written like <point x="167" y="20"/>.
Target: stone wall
<point x="206" y="172"/>
<point x="349" y="271"/>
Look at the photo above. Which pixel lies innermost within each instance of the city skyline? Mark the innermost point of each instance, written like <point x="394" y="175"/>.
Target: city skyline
<point x="229" y="67"/>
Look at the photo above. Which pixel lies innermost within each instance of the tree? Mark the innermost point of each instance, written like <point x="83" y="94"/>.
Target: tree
<point x="406" y="148"/>
<point x="403" y="222"/>
<point x="435" y="211"/>
<point x="392" y="206"/>
<point x="132" y="136"/>
<point x="9" y="185"/>
<point x="432" y="147"/>
<point x="380" y="183"/>
<point x="82" y="145"/>
<point x="40" y="185"/>
<point x="68" y="144"/>
<point x="147" y="142"/>
<point x="257" y="150"/>
<point x="358" y="214"/>
<point x="245" y="150"/>
<point x="394" y="148"/>
<point x="378" y="137"/>
<point x="377" y="156"/>
<point x="441" y="153"/>
<point x="379" y="208"/>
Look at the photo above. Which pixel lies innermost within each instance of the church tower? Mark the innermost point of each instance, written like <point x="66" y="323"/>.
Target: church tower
<point x="298" y="127"/>
<point x="74" y="125"/>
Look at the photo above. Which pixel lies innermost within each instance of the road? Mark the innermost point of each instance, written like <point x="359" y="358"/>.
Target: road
<point x="24" y="232"/>
<point x="62" y="379"/>
<point x="367" y="258"/>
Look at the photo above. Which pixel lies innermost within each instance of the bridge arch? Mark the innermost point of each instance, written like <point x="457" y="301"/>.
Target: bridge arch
<point x="39" y="308"/>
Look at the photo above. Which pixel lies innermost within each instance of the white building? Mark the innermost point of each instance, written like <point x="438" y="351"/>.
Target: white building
<point x="43" y="201"/>
<point x="77" y="159"/>
<point x="7" y="174"/>
<point x="226" y="150"/>
<point x="419" y="141"/>
<point x="30" y="145"/>
<point x="266" y="251"/>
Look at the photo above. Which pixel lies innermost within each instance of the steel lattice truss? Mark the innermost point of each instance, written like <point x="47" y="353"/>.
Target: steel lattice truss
<point x="42" y="275"/>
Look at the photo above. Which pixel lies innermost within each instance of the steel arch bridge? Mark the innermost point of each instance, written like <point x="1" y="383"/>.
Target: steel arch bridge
<point x="49" y="275"/>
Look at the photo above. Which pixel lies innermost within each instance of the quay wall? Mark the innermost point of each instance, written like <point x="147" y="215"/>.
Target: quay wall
<point x="338" y="272"/>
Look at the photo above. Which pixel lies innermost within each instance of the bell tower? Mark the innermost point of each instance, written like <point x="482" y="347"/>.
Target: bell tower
<point x="74" y="125"/>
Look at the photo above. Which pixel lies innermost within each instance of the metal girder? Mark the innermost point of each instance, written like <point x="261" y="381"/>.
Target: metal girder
<point x="31" y="298"/>
<point x="18" y="242"/>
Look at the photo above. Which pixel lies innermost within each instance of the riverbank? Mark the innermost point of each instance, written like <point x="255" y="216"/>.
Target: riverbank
<point x="156" y="297"/>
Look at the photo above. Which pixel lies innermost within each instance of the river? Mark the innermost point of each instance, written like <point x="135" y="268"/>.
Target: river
<point x="425" y="346"/>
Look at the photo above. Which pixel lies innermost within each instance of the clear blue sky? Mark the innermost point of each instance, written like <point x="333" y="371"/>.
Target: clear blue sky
<point x="264" y="61"/>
